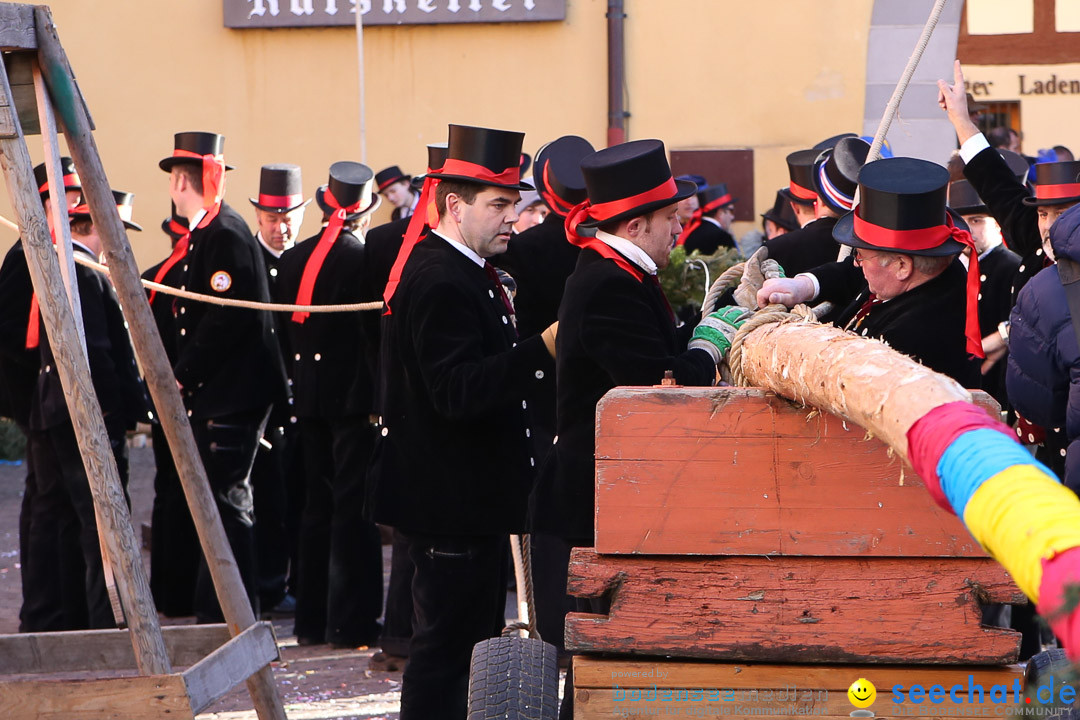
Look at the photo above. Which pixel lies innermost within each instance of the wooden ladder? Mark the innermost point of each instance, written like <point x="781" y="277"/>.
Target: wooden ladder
<point x="31" y="49"/>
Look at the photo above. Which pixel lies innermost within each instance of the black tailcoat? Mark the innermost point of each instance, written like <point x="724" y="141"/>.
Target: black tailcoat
<point x="707" y="238"/>
<point x="926" y="322"/>
<point x="804" y="249"/>
<point x="452" y="457"/>
<point x="330" y="372"/>
<point x="1003" y="194"/>
<point x="228" y="359"/>
<point x="997" y="272"/>
<point x="614" y="329"/>
<point x="119" y="388"/>
<point x="18" y="366"/>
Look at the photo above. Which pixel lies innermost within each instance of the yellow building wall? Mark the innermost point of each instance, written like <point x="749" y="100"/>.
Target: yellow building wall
<point x="773" y="75"/>
<point x="1046" y="118"/>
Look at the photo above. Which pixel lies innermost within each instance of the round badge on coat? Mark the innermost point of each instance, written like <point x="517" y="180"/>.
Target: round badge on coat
<point x="221" y="281"/>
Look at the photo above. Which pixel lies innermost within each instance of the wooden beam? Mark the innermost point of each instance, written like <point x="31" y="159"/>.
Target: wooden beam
<point x="56" y="652"/>
<point x="231" y="664"/>
<point x="129" y="698"/>
<point x="151" y="354"/>
<point x="17" y="27"/>
<point x="793" y="609"/>
<point x="71" y="364"/>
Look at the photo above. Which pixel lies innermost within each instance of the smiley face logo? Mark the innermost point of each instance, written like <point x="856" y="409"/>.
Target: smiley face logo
<point x="862" y="693"/>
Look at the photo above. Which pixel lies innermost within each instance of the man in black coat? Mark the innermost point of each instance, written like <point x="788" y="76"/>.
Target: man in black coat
<point x="57" y="459"/>
<point x="42" y="594"/>
<point x="228" y="363"/>
<point x="903" y="283"/>
<point x="339" y="594"/>
<point x="834" y="176"/>
<point x="174" y="543"/>
<point x="452" y="466"/>
<point x="277" y="476"/>
<point x="710" y="229"/>
<point x="997" y="272"/>
<point x="396" y="187"/>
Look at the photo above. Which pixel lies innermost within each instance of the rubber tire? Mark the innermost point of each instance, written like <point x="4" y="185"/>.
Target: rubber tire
<point x="514" y="678"/>
<point x="1041" y="667"/>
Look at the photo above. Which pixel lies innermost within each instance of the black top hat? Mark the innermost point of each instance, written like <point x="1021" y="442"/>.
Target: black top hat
<point x="526" y="163"/>
<point x="629" y="180"/>
<point x="558" y="177"/>
<point x="175" y="226"/>
<point x="352" y="185"/>
<point x="781" y="212"/>
<point x="124" y="206"/>
<point x="436" y="156"/>
<point x="832" y="142"/>
<point x="801" y="186"/>
<point x="897" y="195"/>
<point x="280" y="188"/>
<point x="836" y="173"/>
<point x="963" y="200"/>
<point x="196" y="143"/>
<point x="698" y="180"/>
<point x="71" y="177"/>
<point x="1056" y="183"/>
<point x="484" y="156"/>
<point x="716" y="197"/>
<point x="388" y="176"/>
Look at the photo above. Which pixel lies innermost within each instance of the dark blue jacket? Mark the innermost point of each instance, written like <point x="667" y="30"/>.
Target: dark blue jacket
<point x="1043" y="377"/>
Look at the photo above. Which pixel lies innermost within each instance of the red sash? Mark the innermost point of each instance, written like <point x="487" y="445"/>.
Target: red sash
<point x="318" y="255"/>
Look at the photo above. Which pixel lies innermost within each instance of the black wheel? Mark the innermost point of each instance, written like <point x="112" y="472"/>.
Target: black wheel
<point x="1051" y="668"/>
<point x="513" y="678"/>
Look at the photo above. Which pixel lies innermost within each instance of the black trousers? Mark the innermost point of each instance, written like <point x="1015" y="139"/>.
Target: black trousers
<point x="272" y="537"/>
<point x="63" y="518"/>
<point x="339" y="597"/>
<point x="174" y="544"/>
<point x="227" y="446"/>
<point x="550" y="559"/>
<point x="397" y="629"/>
<point x="459" y="596"/>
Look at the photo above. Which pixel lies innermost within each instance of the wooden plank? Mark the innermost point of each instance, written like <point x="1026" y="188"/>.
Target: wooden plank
<point x="101" y="649"/>
<point x="793" y="609"/>
<point x="739" y="471"/>
<point x="23" y="95"/>
<point x="17" y="27"/>
<point x="230" y="665"/>
<point x="593" y="672"/>
<point x="129" y="698"/>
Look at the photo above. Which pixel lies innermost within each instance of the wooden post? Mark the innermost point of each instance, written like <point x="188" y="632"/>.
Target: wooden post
<point x="71" y="364"/>
<point x="156" y="369"/>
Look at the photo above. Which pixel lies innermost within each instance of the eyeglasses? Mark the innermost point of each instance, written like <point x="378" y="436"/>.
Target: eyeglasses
<point x="860" y="257"/>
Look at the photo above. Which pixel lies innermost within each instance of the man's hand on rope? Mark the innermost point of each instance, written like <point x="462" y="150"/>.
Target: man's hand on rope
<point x="716" y="331"/>
<point x="786" y="291"/>
<point x="758" y="269"/>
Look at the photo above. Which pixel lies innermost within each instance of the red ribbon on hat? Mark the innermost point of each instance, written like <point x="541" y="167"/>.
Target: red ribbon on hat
<point x="695" y="219"/>
<point x="70" y="180"/>
<point x="280" y="201"/>
<point x="585" y="211"/>
<point x="924" y="239"/>
<point x="1053" y="192"/>
<point x="318" y="255"/>
<point x="509" y="176"/>
<point x="179" y="251"/>
<point x="213" y="178"/>
<point x="556" y="203"/>
<point x="800" y="192"/>
<point x="426" y="213"/>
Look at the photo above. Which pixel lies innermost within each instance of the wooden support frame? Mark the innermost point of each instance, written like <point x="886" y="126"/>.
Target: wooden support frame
<point x="158" y="691"/>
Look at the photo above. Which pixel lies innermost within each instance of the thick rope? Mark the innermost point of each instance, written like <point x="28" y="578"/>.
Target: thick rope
<point x="230" y="302"/>
<point x="521" y="552"/>
<point x="728" y="278"/>
<point x="770" y="314"/>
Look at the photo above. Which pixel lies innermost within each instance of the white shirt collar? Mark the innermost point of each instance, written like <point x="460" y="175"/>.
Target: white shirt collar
<point x="462" y="248"/>
<point x="269" y="249"/>
<point x="713" y="220"/>
<point x="632" y="252"/>
<point x="194" y="222"/>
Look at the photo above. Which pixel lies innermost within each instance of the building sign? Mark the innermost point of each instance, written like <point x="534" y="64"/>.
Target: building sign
<point x="325" y="13"/>
<point x="1026" y="85"/>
